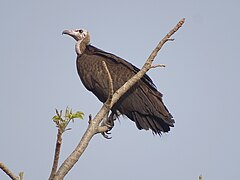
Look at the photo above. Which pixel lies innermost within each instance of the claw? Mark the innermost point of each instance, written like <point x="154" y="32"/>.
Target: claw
<point x="105" y="135"/>
<point x="109" y="122"/>
<point x="108" y="133"/>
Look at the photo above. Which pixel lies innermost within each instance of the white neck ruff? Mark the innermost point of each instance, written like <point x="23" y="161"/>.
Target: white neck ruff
<point x="77" y="47"/>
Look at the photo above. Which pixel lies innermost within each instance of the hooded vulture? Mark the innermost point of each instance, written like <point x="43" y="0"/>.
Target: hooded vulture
<point x="142" y="103"/>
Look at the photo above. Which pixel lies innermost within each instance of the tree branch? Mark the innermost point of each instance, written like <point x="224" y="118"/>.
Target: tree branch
<point x="92" y="129"/>
<point x="8" y="171"/>
<point x="158" y="65"/>
<point x="110" y="86"/>
<point x="56" y="154"/>
<point x="21" y="175"/>
<point x="94" y="124"/>
<point x="62" y="123"/>
<point x="147" y="64"/>
<point x="104" y="127"/>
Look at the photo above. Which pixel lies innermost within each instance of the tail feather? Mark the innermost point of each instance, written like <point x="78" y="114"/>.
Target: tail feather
<point x="146" y="108"/>
<point x="140" y="124"/>
<point x="156" y="124"/>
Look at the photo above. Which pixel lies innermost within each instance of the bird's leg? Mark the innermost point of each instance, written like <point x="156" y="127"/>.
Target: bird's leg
<point x="109" y="122"/>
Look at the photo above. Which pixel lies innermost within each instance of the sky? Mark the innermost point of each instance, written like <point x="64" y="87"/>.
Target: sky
<point x="200" y="85"/>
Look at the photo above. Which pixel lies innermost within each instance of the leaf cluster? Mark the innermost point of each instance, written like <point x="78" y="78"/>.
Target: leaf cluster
<point x="62" y="121"/>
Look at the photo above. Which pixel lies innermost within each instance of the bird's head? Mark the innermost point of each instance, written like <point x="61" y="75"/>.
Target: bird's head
<point x="79" y="35"/>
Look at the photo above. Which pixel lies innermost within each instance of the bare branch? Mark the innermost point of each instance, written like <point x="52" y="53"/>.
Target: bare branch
<point x="103" y="127"/>
<point x="172" y="39"/>
<point x="56" y="154"/>
<point x="8" y="171"/>
<point x="110" y="85"/>
<point x="93" y="127"/>
<point x="21" y="175"/>
<point x="158" y="65"/>
<point x="75" y="155"/>
<point x="146" y="66"/>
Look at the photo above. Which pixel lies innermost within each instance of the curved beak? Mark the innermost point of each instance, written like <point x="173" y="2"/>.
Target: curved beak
<point x="68" y="32"/>
<point x="72" y="33"/>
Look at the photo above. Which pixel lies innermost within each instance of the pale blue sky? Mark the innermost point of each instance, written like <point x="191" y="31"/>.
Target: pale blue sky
<point x="200" y="86"/>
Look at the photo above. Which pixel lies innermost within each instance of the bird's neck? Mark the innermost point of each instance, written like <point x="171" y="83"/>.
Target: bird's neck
<point x="80" y="47"/>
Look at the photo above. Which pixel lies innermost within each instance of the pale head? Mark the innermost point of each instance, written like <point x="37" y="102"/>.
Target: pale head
<point x="79" y="35"/>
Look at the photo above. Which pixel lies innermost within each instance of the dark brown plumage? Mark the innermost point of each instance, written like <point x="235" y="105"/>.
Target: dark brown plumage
<point x="142" y="103"/>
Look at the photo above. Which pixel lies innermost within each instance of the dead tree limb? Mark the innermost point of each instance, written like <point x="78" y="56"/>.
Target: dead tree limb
<point x="93" y="126"/>
<point x="8" y="171"/>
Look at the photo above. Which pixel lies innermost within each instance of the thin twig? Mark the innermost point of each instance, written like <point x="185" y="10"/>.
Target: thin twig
<point x="89" y="118"/>
<point x="8" y="171"/>
<point x="158" y="65"/>
<point x="21" y="175"/>
<point x="93" y="126"/>
<point x="56" y="154"/>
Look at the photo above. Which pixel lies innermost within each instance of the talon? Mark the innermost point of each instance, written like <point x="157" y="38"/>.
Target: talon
<point x="105" y="135"/>
<point x="108" y="133"/>
<point x="109" y="122"/>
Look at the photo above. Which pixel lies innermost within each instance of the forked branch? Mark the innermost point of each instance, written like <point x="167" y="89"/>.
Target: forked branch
<point x="8" y="171"/>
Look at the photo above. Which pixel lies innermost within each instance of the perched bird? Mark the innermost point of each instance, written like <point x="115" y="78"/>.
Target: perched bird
<point x="142" y="103"/>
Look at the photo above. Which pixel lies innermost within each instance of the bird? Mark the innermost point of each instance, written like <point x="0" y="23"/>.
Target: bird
<point x="142" y="103"/>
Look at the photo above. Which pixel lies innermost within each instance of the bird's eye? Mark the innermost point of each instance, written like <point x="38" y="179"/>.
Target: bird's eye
<point x="80" y="31"/>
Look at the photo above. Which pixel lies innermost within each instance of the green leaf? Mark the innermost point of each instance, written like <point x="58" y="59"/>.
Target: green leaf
<point x="78" y="114"/>
<point x="56" y="118"/>
<point x="69" y="115"/>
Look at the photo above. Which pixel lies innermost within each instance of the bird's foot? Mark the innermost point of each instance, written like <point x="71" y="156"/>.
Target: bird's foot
<point x="106" y="135"/>
<point x="109" y="123"/>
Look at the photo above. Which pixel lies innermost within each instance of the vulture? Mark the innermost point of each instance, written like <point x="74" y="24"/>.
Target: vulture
<point x="142" y="103"/>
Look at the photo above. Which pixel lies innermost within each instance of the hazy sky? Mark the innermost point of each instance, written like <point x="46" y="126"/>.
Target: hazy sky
<point x="200" y="84"/>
